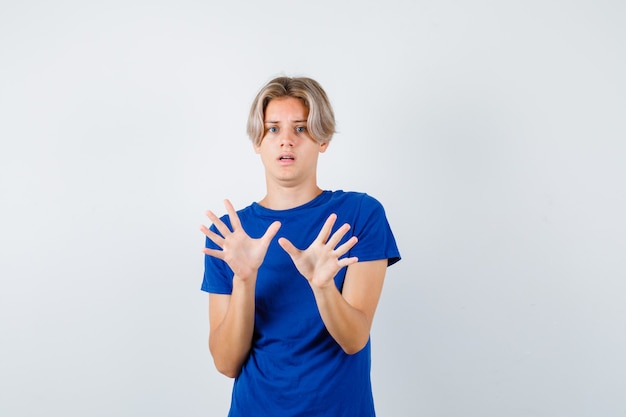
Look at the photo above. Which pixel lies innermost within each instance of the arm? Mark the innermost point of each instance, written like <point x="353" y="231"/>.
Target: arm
<point x="348" y="317"/>
<point x="231" y="316"/>
<point x="231" y="321"/>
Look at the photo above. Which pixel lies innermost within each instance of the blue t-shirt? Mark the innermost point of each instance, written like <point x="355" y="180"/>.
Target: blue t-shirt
<point x="295" y="368"/>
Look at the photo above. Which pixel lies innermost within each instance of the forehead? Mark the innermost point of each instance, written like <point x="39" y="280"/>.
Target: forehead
<point x="289" y="108"/>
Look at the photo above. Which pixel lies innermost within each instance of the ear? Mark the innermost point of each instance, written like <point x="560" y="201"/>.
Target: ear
<point x="257" y="148"/>
<point x="324" y="146"/>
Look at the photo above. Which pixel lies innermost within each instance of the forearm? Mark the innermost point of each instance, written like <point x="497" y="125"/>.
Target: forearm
<point x="349" y="326"/>
<point x="230" y="339"/>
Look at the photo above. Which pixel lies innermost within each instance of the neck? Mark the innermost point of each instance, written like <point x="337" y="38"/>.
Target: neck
<point x="283" y="198"/>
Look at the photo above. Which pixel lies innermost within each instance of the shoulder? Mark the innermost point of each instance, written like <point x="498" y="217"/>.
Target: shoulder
<point x="353" y="197"/>
<point x="361" y="201"/>
<point x="368" y="220"/>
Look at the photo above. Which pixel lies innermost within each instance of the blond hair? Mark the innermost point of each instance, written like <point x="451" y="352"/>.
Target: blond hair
<point x="321" y="119"/>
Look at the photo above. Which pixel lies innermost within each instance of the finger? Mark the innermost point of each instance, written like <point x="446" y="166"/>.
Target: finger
<point x="338" y="235"/>
<point x="214" y="237"/>
<point x="232" y="214"/>
<point x="219" y="225"/>
<point x="288" y="247"/>
<point x="348" y="261"/>
<point x="214" y="253"/>
<point x="270" y="233"/>
<point x="343" y="249"/>
<point x="326" y="229"/>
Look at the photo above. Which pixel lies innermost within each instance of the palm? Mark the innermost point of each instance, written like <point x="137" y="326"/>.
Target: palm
<point x="243" y="254"/>
<point x="320" y="262"/>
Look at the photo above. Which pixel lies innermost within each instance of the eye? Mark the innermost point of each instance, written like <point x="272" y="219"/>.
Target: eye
<point x="272" y="129"/>
<point x="301" y="129"/>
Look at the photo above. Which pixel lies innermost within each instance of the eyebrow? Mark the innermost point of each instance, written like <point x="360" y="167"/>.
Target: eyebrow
<point x="295" y="121"/>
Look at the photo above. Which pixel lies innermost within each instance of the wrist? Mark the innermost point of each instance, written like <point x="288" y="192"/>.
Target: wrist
<point x="324" y="288"/>
<point x="245" y="279"/>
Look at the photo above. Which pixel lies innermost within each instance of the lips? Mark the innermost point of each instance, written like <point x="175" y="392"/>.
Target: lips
<point x="286" y="157"/>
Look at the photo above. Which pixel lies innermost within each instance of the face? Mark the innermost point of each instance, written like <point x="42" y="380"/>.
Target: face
<point x="288" y="152"/>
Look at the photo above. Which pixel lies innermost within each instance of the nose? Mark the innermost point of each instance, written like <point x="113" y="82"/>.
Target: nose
<point x="287" y="139"/>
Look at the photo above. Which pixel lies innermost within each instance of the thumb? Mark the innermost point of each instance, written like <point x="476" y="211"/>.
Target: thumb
<point x="270" y="232"/>
<point x="288" y="246"/>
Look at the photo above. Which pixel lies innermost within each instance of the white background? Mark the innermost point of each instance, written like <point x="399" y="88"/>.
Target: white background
<point x="492" y="131"/>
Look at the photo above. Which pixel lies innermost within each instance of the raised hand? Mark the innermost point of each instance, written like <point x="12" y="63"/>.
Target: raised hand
<point x="243" y="254"/>
<point x="319" y="263"/>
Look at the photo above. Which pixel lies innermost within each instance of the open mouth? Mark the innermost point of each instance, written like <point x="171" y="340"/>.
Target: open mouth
<point x="286" y="158"/>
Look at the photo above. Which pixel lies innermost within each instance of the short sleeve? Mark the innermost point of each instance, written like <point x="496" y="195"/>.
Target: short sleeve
<point x="376" y="240"/>
<point x="218" y="277"/>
